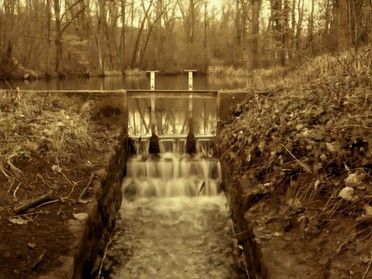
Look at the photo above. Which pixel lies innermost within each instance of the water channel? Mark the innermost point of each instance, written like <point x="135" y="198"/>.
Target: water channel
<point x="174" y="221"/>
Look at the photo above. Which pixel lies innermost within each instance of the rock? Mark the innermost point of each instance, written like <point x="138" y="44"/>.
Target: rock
<point x="354" y="179"/>
<point x="347" y="194"/>
<point x="80" y="216"/>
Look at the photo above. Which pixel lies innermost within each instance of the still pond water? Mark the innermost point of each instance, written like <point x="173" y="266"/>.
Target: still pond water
<point x="137" y="82"/>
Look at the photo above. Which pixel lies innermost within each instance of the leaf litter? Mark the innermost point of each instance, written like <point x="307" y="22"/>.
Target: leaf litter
<point x="309" y="135"/>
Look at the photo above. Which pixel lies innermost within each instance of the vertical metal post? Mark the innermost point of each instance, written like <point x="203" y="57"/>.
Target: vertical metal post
<point x="126" y="121"/>
<point x="152" y="99"/>
<point x="190" y="81"/>
<point x="190" y="78"/>
<point x="152" y="79"/>
<point x="218" y="112"/>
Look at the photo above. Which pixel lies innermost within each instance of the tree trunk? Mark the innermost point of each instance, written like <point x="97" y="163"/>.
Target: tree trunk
<point x="340" y="24"/>
<point x="310" y="35"/>
<point x="285" y="34"/>
<point x="147" y="40"/>
<point x="254" y="32"/>
<point x="300" y="9"/>
<point x="123" y="36"/>
<point x="48" y="26"/>
<point x="136" y="50"/>
<point x="58" y="40"/>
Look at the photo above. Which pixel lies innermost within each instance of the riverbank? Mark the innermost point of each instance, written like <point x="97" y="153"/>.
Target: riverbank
<point x="297" y="164"/>
<point x="61" y="157"/>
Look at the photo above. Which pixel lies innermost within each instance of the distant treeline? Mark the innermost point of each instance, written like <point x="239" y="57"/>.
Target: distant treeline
<point x="82" y="37"/>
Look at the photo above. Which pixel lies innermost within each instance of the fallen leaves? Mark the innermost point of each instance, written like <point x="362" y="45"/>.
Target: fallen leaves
<point x="312" y="140"/>
<point x="19" y="220"/>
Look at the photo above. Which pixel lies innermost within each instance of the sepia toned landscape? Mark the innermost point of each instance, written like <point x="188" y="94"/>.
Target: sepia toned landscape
<point x="246" y="153"/>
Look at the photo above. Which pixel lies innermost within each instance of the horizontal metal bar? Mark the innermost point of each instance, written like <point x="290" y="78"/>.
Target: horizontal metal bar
<point x="173" y="137"/>
<point x="171" y="93"/>
<point x="203" y="93"/>
<point x="119" y="91"/>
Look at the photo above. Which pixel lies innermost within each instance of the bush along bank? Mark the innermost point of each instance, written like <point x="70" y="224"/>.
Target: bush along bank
<point x="297" y="161"/>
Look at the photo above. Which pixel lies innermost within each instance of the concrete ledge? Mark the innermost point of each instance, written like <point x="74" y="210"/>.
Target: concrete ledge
<point x="93" y="227"/>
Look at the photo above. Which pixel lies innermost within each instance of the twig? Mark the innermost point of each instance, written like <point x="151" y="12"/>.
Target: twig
<point x="4" y="172"/>
<point x="38" y="260"/>
<point x="7" y="83"/>
<point x="72" y="184"/>
<point x="32" y="202"/>
<point x="368" y="267"/>
<point x="15" y="191"/>
<point x="242" y="232"/>
<point x="11" y="185"/>
<point x="48" y="202"/>
<point x="104" y="257"/>
<point x="307" y="169"/>
<point x="68" y="180"/>
<point x="86" y="188"/>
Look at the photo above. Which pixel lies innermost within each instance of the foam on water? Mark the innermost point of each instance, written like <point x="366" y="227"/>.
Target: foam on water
<point x="174" y="222"/>
<point x="170" y="175"/>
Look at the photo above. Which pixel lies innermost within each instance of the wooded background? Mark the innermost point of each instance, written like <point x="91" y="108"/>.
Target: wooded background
<point x="80" y="36"/>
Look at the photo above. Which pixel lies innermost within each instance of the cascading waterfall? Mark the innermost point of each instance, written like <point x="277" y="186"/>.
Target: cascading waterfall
<point x="172" y="175"/>
<point x="173" y="222"/>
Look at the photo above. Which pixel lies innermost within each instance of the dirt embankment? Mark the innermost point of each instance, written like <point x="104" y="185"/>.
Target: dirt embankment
<point x="298" y="162"/>
<point x="57" y="150"/>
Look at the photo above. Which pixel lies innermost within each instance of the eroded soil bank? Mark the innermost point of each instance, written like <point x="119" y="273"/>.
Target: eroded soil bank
<point x="70" y="147"/>
<point x="297" y="169"/>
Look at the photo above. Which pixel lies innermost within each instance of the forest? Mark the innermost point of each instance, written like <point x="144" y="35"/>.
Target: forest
<point x="44" y="38"/>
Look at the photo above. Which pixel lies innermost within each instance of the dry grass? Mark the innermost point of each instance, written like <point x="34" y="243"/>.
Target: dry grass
<point x="45" y="126"/>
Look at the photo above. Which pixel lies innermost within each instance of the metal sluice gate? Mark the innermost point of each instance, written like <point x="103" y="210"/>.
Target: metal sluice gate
<point x="178" y="121"/>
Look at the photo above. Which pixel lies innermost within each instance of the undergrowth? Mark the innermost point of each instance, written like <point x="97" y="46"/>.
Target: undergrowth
<point x="44" y="126"/>
<point x="310" y="135"/>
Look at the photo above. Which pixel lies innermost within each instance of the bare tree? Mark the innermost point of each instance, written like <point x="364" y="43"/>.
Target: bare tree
<point x="137" y="50"/>
<point x="60" y="28"/>
<point x="254" y="33"/>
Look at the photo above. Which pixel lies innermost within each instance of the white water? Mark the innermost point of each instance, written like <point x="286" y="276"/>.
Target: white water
<point x="174" y="222"/>
<point x="172" y="176"/>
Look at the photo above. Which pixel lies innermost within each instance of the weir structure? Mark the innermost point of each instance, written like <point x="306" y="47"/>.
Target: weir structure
<point x="182" y="121"/>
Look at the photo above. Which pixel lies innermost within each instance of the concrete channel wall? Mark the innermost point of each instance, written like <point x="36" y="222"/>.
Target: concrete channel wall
<point x="243" y="229"/>
<point x="93" y="231"/>
<point x="92" y="228"/>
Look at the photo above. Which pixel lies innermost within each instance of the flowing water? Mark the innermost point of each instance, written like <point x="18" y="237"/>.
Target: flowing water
<point x="174" y="222"/>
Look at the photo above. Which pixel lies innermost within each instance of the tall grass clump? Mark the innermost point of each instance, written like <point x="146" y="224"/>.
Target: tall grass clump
<point x="56" y="129"/>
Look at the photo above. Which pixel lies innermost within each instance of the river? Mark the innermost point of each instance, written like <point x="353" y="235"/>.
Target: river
<point x="201" y="82"/>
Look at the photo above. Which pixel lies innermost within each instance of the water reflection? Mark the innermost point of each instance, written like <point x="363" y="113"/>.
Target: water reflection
<point x="132" y="82"/>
